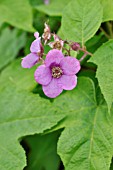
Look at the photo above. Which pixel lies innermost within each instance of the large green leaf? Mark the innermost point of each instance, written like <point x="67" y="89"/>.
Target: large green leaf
<point x="21" y="113"/>
<point x="103" y="58"/>
<point x="87" y="141"/>
<point x="43" y="152"/>
<point x="11" y="42"/>
<point x="107" y="10"/>
<point x="81" y="20"/>
<point x="54" y="8"/>
<point x="17" y="13"/>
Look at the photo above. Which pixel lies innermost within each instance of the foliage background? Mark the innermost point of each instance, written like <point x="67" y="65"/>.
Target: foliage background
<point x="78" y="125"/>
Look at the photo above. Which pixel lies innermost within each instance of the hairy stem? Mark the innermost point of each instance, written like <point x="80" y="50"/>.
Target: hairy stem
<point x="82" y="58"/>
<point x="68" y="51"/>
<point x="85" y="51"/>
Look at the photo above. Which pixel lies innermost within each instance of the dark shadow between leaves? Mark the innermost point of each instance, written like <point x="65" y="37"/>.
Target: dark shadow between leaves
<point x="32" y="144"/>
<point x="111" y="166"/>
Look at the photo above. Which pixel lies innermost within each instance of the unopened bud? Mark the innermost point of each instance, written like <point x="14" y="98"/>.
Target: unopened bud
<point x="75" y="46"/>
<point x="47" y="34"/>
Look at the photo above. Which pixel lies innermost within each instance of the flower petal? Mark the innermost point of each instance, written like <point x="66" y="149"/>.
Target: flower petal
<point x="30" y="60"/>
<point x="70" y="65"/>
<point x="36" y="35"/>
<point x="51" y="44"/>
<point x="43" y="75"/>
<point x="67" y="82"/>
<point x="52" y="90"/>
<point x="35" y="46"/>
<point x="53" y="56"/>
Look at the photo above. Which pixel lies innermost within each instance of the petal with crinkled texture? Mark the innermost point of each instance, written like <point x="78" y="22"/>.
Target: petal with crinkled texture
<point x="53" y="56"/>
<point x="70" y="65"/>
<point x="67" y="82"/>
<point x="35" y="46"/>
<point x="30" y="60"/>
<point x="52" y="90"/>
<point x="43" y="75"/>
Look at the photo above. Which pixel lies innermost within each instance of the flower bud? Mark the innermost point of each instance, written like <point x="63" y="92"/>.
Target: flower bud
<point x="75" y="46"/>
<point x="47" y="34"/>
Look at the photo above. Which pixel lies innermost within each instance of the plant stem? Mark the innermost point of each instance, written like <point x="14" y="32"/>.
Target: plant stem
<point x="68" y="51"/>
<point x="105" y="33"/>
<point x="109" y="26"/>
<point x="85" y="51"/>
<point x="41" y="59"/>
<point x="82" y="58"/>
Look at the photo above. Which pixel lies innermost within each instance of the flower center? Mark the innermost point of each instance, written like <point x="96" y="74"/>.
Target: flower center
<point x="56" y="72"/>
<point x="57" y="45"/>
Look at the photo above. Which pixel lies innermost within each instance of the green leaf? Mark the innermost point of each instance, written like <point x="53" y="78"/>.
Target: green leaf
<point x="103" y="58"/>
<point x="36" y="2"/>
<point x="11" y="42"/>
<point x="107" y="10"/>
<point x="17" y="13"/>
<point x="60" y="33"/>
<point x="86" y="142"/>
<point x="43" y="152"/>
<point x="21" y="113"/>
<point x="54" y="8"/>
<point x="80" y="20"/>
<point x="19" y="77"/>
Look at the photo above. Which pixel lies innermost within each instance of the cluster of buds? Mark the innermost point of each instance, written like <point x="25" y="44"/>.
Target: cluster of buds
<point x="58" y="71"/>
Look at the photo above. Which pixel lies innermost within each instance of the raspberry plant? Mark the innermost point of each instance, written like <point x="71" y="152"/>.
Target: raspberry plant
<point x="56" y="90"/>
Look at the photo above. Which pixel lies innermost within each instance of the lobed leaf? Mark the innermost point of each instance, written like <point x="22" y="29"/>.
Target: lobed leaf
<point x="86" y="142"/>
<point x="21" y="113"/>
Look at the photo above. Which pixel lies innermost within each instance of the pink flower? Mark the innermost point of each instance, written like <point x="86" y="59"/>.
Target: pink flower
<point x="57" y="73"/>
<point x="36" y="52"/>
<point x="57" y="44"/>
